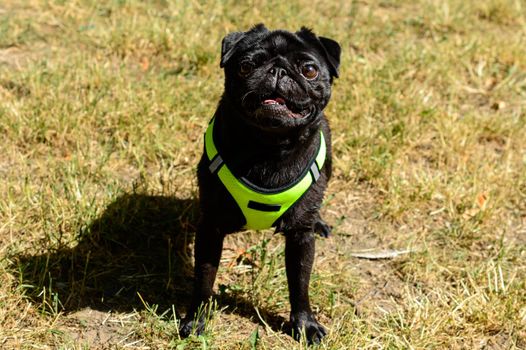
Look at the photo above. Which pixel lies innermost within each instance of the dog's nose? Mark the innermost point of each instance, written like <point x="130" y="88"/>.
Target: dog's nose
<point x="278" y="71"/>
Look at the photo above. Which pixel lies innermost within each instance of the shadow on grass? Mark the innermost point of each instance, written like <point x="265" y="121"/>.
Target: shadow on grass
<point x="139" y="245"/>
<point x="239" y="305"/>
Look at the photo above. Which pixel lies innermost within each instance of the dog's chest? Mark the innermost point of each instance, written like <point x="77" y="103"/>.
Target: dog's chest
<point x="273" y="169"/>
<point x="276" y="173"/>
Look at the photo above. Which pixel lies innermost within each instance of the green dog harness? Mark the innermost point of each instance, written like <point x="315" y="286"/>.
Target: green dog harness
<point x="262" y="207"/>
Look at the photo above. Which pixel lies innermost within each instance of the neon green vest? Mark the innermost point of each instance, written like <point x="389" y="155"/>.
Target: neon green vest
<point x="261" y="207"/>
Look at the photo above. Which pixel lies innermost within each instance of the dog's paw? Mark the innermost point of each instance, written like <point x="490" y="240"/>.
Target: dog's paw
<point x="322" y="228"/>
<point x="304" y="322"/>
<point x="191" y="325"/>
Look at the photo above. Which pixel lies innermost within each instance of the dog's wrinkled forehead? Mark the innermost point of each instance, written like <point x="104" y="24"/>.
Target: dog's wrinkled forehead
<point x="271" y="43"/>
<point x="277" y="43"/>
<point x="280" y="42"/>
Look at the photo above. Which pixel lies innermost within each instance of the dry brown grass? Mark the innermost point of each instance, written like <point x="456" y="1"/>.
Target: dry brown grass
<point x="103" y="105"/>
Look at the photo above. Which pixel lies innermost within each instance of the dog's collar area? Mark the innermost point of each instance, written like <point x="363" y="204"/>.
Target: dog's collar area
<point x="262" y="207"/>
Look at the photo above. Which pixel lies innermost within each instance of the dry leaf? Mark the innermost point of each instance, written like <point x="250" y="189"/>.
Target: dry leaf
<point x="481" y="201"/>
<point x="482" y="198"/>
<point x="145" y="64"/>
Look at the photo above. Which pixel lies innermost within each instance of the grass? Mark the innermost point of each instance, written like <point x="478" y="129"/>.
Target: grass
<point x="103" y="106"/>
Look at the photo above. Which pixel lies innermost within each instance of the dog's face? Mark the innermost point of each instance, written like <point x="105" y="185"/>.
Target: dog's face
<point x="279" y="80"/>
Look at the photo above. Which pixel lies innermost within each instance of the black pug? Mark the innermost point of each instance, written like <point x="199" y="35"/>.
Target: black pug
<point x="267" y="158"/>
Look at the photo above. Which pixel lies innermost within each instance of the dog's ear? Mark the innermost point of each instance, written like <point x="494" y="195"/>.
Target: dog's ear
<point x="330" y="49"/>
<point x="231" y="42"/>
<point x="228" y="46"/>
<point x="333" y="52"/>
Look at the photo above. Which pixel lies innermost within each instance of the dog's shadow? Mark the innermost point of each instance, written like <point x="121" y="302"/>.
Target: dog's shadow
<point x="139" y="248"/>
<point x="137" y="252"/>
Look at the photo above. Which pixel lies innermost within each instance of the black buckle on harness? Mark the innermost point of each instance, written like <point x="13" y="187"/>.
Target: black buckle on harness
<point x="263" y="207"/>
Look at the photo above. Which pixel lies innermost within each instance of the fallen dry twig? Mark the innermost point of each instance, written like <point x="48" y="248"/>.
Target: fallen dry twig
<point x="383" y="254"/>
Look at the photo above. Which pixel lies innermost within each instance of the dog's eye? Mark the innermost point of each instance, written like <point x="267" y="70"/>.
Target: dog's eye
<point x="309" y="71"/>
<point x="245" y="68"/>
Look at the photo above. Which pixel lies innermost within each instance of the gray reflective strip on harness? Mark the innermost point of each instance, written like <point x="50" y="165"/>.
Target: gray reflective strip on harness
<point x="215" y="164"/>
<point x="315" y="171"/>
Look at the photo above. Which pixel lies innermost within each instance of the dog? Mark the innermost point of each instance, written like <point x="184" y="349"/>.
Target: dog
<point x="267" y="159"/>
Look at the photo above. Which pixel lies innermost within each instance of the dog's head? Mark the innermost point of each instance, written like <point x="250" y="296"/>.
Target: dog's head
<point x="278" y="80"/>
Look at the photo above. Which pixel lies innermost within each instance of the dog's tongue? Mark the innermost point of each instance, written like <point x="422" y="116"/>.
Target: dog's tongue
<point x="282" y="103"/>
<point x="277" y="100"/>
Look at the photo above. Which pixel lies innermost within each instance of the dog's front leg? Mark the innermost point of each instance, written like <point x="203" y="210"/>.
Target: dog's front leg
<point x="208" y="247"/>
<point x="299" y="257"/>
